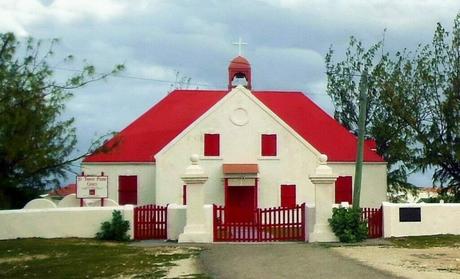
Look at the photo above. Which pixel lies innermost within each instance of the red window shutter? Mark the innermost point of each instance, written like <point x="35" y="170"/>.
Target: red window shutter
<point x="211" y="145"/>
<point x="343" y="189"/>
<point x="268" y="145"/>
<point x="288" y="196"/>
<point x="127" y="189"/>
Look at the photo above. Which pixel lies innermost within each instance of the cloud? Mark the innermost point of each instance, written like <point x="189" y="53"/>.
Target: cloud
<point x="287" y="40"/>
<point x="18" y="16"/>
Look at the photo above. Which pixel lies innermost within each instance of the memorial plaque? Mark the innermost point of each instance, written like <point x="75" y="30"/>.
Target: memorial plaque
<point x="409" y="214"/>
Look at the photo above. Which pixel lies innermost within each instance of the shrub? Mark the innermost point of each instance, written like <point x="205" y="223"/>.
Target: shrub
<point x="116" y="229"/>
<point x="347" y="225"/>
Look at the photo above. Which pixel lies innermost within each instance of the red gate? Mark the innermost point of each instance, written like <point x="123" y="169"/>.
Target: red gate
<point x="150" y="222"/>
<point x="269" y="224"/>
<point x="374" y="218"/>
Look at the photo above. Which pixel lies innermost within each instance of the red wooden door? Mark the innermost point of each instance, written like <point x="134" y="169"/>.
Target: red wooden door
<point x="241" y="204"/>
<point x="127" y="189"/>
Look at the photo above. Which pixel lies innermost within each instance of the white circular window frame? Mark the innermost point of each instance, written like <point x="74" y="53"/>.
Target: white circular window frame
<point x="239" y="116"/>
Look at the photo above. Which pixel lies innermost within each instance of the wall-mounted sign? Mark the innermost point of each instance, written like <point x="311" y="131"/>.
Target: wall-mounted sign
<point x="409" y="214"/>
<point x="92" y="187"/>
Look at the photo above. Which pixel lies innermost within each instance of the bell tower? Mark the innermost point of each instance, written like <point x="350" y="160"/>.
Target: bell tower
<point x="239" y="73"/>
<point x="239" y="70"/>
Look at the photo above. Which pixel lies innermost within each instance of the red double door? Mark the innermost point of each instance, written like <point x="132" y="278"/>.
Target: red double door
<point x="241" y="204"/>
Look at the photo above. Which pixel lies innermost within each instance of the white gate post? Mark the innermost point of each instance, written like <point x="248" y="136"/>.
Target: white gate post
<point x="195" y="225"/>
<point x="324" y="181"/>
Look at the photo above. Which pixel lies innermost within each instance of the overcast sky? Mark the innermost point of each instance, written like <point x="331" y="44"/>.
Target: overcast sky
<point x="287" y="41"/>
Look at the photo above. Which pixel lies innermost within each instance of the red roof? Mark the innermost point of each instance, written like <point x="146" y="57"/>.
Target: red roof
<point x="64" y="191"/>
<point x="239" y="62"/>
<point x="147" y="135"/>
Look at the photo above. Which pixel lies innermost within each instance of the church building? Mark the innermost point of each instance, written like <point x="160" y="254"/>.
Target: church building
<point x="258" y="148"/>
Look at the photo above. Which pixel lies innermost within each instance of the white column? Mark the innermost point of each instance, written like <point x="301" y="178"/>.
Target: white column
<point x="324" y="181"/>
<point x="195" y="226"/>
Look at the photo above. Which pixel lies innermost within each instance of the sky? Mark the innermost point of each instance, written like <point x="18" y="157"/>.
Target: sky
<point x="159" y="41"/>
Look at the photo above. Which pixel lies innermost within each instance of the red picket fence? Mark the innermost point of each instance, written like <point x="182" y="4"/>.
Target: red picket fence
<point x="374" y="218"/>
<point x="150" y="222"/>
<point x="268" y="224"/>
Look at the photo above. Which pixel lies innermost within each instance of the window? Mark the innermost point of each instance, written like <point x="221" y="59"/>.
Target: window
<point x="288" y="196"/>
<point x="127" y="189"/>
<point x="268" y="145"/>
<point x="211" y="145"/>
<point x="343" y="189"/>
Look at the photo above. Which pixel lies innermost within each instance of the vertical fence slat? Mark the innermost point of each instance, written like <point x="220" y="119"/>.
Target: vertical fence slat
<point x="150" y="222"/>
<point x="374" y="219"/>
<point x="267" y="224"/>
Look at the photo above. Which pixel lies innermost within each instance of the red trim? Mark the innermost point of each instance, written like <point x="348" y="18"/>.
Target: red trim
<point x="226" y="191"/>
<point x="184" y="194"/>
<point x="256" y="194"/>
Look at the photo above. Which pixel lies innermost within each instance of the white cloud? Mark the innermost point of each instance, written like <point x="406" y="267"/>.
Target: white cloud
<point x="18" y="16"/>
<point x="68" y="11"/>
<point x="15" y="15"/>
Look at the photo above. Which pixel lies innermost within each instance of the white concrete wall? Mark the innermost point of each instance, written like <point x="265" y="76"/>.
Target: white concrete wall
<point x="310" y="220"/>
<point x="238" y="144"/>
<point x="374" y="181"/>
<point x="177" y="220"/>
<point x="58" y="222"/>
<point x="145" y="178"/>
<point x="436" y="219"/>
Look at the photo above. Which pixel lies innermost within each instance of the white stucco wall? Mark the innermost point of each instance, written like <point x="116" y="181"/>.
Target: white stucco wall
<point x="436" y="219"/>
<point x="238" y="144"/>
<point x="373" y="183"/>
<point x="145" y="178"/>
<point x="58" y="222"/>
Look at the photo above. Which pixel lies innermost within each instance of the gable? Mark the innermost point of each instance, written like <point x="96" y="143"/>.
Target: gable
<point x="156" y="128"/>
<point x="318" y="128"/>
<point x="148" y="134"/>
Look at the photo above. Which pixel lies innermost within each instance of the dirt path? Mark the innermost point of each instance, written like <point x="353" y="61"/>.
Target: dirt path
<point x="432" y="263"/>
<point x="287" y="260"/>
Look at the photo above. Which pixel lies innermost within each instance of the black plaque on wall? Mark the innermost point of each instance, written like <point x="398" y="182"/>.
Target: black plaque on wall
<point x="409" y="214"/>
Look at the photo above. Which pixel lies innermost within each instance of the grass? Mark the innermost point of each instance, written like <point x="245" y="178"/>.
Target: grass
<point x="86" y="258"/>
<point x="420" y="242"/>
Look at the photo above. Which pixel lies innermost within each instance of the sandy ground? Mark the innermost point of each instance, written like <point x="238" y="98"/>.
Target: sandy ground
<point x="432" y="263"/>
<point x="184" y="268"/>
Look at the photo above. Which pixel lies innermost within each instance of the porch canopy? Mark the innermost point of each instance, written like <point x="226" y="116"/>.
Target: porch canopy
<point x="235" y="169"/>
<point x="240" y="174"/>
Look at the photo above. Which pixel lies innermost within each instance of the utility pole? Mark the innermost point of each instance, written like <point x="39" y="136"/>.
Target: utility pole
<point x="361" y="132"/>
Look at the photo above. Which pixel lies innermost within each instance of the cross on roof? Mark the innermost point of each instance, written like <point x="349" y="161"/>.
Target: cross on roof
<point x="239" y="44"/>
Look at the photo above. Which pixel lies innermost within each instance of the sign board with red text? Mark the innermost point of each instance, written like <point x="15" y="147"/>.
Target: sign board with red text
<point x="89" y="187"/>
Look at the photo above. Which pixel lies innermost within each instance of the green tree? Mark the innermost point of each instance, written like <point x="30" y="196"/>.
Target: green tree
<point x="35" y="140"/>
<point x="413" y="111"/>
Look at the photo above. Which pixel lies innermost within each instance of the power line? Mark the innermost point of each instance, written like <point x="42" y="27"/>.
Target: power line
<point x="134" y="77"/>
<point x="306" y="92"/>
